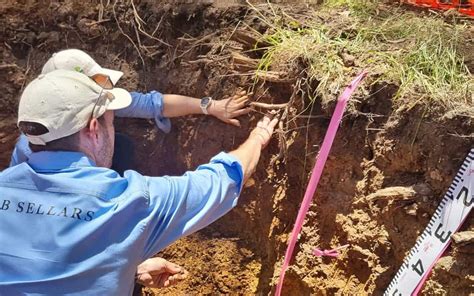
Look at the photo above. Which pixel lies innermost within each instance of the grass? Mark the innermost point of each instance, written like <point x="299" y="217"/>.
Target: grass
<point x="359" y="7"/>
<point x="420" y="54"/>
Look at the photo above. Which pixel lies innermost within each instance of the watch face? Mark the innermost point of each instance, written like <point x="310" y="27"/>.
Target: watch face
<point x="205" y="101"/>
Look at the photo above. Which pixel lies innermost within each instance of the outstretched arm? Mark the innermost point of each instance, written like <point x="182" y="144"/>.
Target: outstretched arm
<point x="225" y="109"/>
<point x="155" y="105"/>
<point x="182" y="205"/>
<point x="177" y="105"/>
<point x="249" y="152"/>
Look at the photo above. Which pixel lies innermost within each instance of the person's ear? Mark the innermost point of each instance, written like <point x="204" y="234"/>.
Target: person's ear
<point x="93" y="130"/>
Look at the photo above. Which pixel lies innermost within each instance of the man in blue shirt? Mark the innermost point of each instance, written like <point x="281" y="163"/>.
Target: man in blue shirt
<point x="152" y="105"/>
<point x="149" y="106"/>
<point x="69" y="224"/>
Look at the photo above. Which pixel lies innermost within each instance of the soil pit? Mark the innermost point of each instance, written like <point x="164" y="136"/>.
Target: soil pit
<point x="191" y="49"/>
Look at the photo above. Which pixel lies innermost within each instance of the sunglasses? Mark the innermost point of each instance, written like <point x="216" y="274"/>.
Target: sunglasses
<point x="105" y="83"/>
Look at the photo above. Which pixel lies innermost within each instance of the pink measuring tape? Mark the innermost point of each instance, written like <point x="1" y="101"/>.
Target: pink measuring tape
<point x="316" y="173"/>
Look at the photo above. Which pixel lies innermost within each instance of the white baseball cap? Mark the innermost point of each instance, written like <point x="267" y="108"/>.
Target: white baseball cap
<point x="64" y="101"/>
<point x="78" y="60"/>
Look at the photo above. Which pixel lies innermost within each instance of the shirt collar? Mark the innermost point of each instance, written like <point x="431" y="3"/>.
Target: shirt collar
<point x="57" y="160"/>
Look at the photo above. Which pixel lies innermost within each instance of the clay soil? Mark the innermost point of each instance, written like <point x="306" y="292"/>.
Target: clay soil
<point x="413" y="154"/>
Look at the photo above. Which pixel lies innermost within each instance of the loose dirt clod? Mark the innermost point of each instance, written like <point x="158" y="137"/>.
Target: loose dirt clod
<point x="463" y="238"/>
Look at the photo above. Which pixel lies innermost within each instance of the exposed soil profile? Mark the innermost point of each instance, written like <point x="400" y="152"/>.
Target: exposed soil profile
<point x="403" y="157"/>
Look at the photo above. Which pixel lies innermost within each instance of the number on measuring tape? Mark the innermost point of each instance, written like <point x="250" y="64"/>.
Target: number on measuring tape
<point x="446" y="220"/>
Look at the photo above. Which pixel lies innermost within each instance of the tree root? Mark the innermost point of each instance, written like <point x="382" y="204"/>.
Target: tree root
<point x="268" y="106"/>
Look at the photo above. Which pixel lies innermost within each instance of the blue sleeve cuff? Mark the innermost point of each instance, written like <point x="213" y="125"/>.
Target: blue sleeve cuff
<point x="148" y="106"/>
<point x="235" y="172"/>
<point x="162" y="122"/>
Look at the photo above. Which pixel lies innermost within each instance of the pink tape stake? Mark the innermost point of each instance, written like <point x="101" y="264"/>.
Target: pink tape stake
<point x="329" y="253"/>
<point x="316" y="173"/>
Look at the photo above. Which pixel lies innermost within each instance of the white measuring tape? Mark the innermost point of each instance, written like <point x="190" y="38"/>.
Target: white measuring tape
<point x="448" y="217"/>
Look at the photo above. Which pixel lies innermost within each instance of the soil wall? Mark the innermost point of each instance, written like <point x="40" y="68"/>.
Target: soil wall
<point x="412" y="153"/>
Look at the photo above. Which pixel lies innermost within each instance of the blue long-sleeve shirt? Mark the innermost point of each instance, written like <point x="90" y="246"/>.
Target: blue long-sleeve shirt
<point x="149" y="106"/>
<point x="68" y="227"/>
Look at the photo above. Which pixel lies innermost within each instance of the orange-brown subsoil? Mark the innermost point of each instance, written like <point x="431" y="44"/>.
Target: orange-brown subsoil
<point x="411" y="154"/>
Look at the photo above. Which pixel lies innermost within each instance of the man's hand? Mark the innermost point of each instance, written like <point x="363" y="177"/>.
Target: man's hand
<point x="159" y="273"/>
<point x="227" y="109"/>
<point x="249" y="152"/>
<point x="264" y="130"/>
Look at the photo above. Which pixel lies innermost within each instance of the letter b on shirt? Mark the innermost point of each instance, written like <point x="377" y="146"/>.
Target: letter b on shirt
<point x="5" y="205"/>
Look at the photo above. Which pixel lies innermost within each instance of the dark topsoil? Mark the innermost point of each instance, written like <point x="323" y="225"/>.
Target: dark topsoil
<point x="241" y="253"/>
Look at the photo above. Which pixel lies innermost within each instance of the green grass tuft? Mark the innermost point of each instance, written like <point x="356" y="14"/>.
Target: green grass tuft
<point x="360" y="7"/>
<point x="420" y="54"/>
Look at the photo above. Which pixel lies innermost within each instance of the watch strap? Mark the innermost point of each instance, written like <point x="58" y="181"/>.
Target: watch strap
<point x="204" y="107"/>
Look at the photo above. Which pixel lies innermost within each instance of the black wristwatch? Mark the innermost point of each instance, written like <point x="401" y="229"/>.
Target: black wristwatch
<point x="205" y="103"/>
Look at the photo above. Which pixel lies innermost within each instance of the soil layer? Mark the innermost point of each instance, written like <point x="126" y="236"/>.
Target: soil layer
<point x="412" y="154"/>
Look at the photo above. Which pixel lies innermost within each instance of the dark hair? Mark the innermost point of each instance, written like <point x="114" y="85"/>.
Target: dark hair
<point x="69" y="143"/>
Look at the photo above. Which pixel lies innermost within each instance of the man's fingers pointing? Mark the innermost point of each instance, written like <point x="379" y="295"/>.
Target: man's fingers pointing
<point x="273" y="123"/>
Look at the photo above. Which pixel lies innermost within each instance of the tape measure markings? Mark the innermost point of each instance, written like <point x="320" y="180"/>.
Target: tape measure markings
<point x="440" y="215"/>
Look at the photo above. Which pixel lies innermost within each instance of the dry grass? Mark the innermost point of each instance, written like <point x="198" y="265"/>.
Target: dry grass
<point x="418" y="53"/>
